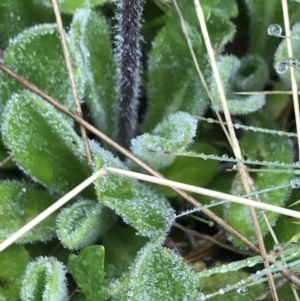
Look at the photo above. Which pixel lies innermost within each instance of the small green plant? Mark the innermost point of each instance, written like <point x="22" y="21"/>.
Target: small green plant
<point x="114" y="237"/>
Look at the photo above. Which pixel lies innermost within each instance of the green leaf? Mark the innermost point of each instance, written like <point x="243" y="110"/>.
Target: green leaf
<point x="70" y="6"/>
<point x="88" y="271"/>
<point x="252" y="75"/>
<point x="228" y="8"/>
<point x="44" y="145"/>
<point x="281" y="55"/>
<point x="36" y="54"/>
<point x="45" y="280"/>
<point x="221" y="31"/>
<point x="191" y="170"/>
<point x="13" y="261"/>
<point x="174" y="134"/>
<point x="24" y="14"/>
<point x="138" y="204"/>
<point x="230" y="70"/>
<point x="121" y="245"/>
<point x="174" y="82"/>
<point x="83" y="223"/>
<point x="19" y="204"/>
<point x="263" y="147"/>
<point x="263" y="14"/>
<point x="159" y="274"/>
<point x="90" y="36"/>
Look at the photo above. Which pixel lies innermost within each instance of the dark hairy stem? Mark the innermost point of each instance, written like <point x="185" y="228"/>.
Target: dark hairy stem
<point x="129" y="61"/>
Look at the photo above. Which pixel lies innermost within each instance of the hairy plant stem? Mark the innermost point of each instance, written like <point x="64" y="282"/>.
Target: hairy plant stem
<point x="128" y="53"/>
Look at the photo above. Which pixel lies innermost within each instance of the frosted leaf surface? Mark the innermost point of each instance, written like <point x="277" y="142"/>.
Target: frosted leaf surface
<point x="281" y="56"/>
<point x="70" y="6"/>
<point x="91" y="41"/>
<point x="82" y="223"/>
<point x="158" y="274"/>
<point x="261" y="146"/>
<point x="138" y="204"/>
<point x="87" y="268"/>
<point x="45" y="279"/>
<point x="24" y="14"/>
<point x="36" y="54"/>
<point x="229" y="68"/>
<point x="174" y="133"/>
<point x="20" y="203"/>
<point x="13" y="262"/>
<point x="44" y="145"/>
<point x="174" y="83"/>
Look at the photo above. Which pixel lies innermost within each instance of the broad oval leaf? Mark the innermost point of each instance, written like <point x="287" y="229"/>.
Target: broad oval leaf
<point x="87" y="268"/>
<point x="82" y="223"/>
<point x="19" y="204"/>
<point x="174" y="134"/>
<point x="228" y="67"/>
<point x="138" y="204"/>
<point x="174" y="82"/>
<point x="13" y="262"/>
<point x="44" y="145"/>
<point x="90" y="38"/>
<point x="45" y="279"/>
<point x="36" y="54"/>
<point x="263" y="147"/>
<point x="159" y="274"/>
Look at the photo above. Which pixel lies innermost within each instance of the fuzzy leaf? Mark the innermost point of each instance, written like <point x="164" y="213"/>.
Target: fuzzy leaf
<point x="174" y="82"/>
<point x="121" y="245"/>
<point x="70" y="6"/>
<point x="282" y="54"/>
<point x="37" y="55"/>
<point x="44" y="145"/>
<point x="230" y="71"/>
<point x="20" y="203"/>
<point x="45" y="280"/>
<point x="138" y="204"/>
<point x="158" y="274"/>
<point x="262" y="14"/>
<point x="88" y="271"/>
<point x="90" y="36"/>
<point x="82" y="223"/>
<point x="261" y="146"/>
<point x="24" y="14"/>
<point x="221" y="30"/>
<point x="13" y="262"/>
<point x="174" y="134"/>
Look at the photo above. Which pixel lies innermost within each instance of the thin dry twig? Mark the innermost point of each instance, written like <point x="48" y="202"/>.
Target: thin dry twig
<point x="189" y="42"/>
<point x="234" y="142"/>
<point x="125" y="152"/>
<point x="3" y="162"/>
<point x="289" y="45"/>
<point x="72" y="79"/>
<point x="62" y="201"/>
<point x="130" y="174"/>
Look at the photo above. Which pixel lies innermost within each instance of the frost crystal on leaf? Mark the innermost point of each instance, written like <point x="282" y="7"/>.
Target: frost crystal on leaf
<point x="174" y="134"/>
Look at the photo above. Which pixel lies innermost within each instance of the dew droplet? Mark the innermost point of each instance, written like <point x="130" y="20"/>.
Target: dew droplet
<point x="274" y="30"/>
<point x="295" y="183"/>
<point x="292" y="62"/>
<point x="281" y="67"/>
<point x="225" y="156"/>
<point x="242" y="290"/>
